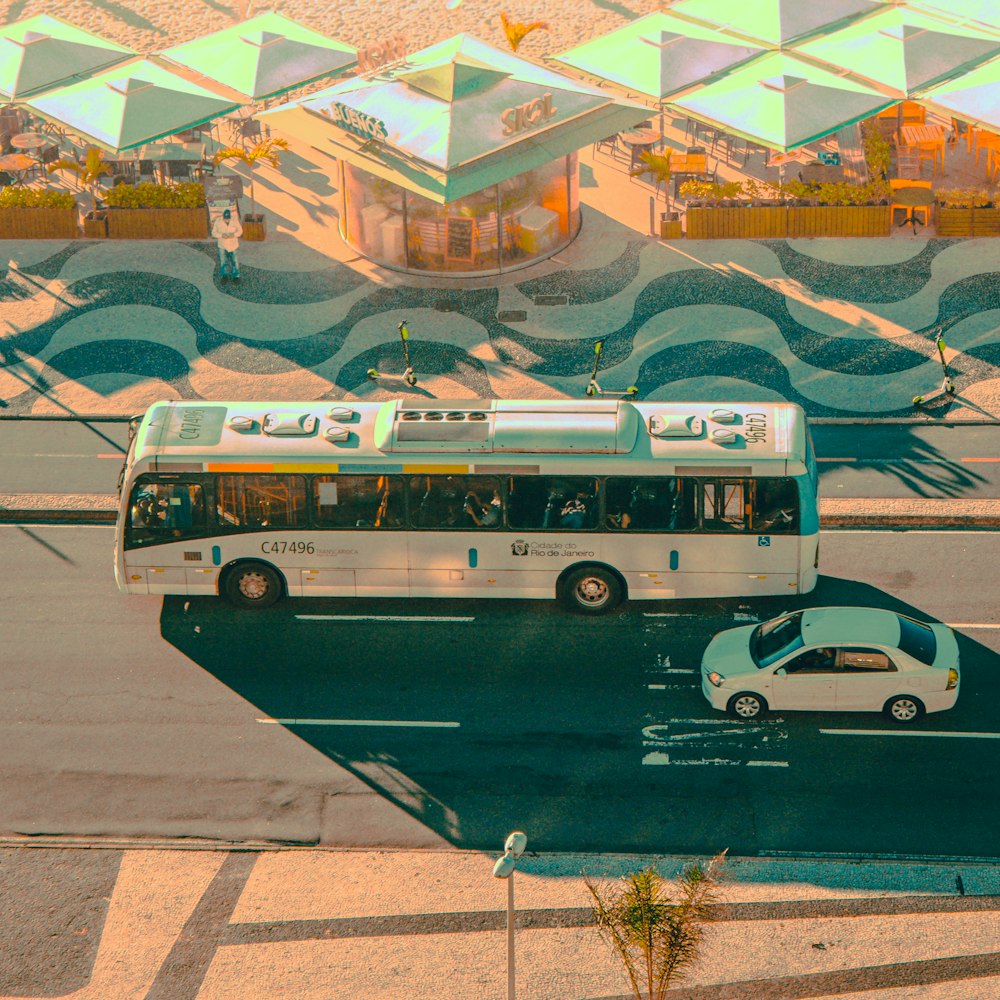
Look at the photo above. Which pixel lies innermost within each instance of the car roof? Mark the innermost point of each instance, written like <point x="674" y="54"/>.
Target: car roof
<point x="850" y="626"/>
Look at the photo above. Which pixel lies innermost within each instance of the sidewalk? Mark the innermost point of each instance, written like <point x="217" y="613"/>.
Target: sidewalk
<point x="381" y="925"/>
<point x="844" y="327"/>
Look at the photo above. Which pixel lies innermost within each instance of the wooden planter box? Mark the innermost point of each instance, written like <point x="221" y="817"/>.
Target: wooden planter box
<point x="777" y="221"/>
<point x="158" y="223"/>
<point x="670" y="229"/>
<point x="96" y="228"/>
<point x="254" y="227"/>
<point x="968" y="222"/>
<point x="39" y="223"/>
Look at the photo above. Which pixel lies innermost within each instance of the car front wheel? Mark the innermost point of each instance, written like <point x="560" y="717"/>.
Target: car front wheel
<point x="746" y="705"/>
<point x="904" y="708"/>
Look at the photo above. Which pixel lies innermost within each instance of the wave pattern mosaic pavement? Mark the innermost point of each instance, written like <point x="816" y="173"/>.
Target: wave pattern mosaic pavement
<point x="716" y="319"/>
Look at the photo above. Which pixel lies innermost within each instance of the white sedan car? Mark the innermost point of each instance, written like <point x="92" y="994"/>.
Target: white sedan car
<point x="843" y="659"/>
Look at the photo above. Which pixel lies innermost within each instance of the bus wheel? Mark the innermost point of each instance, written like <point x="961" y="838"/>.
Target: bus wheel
<point x="592" y="590"/>
<point x="253" y="585"/>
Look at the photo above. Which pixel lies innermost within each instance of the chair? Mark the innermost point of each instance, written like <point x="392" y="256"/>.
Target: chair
<point x="931" y="151"/>
<point x="250" y="129"/>
<point x="908" y="166"/>
<point x="6" y="179"/>
<point x="913" y="113"/>
<point x="895" y="183"/>
<point x="958" y="128"/>
<point x="610" y="143"/>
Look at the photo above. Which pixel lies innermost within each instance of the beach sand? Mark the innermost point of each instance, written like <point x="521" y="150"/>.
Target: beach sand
<point x="149" y="27"/>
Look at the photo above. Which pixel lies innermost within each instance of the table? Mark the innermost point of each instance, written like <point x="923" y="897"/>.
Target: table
<point x="924" y="135"/>
<point x="28" y="140"/>
<point x="641" y="137"/>
<point x="17" y="164"/>
<point x="913" y="197"/>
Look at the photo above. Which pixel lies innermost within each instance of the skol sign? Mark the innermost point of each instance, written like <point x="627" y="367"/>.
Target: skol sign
<point x="527" y="115"/>
<point x="357" y="121"/>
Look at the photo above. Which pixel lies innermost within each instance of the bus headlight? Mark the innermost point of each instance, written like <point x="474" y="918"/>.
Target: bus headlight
<point x="952" y="680"/>
<point x="715" y="678"/>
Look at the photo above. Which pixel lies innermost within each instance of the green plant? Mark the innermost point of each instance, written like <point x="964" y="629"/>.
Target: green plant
<point x="25" y="197"/>
<point x="965" y="198"/>
<point x="187" y="195"/>
<point x="878" y="153"/>
<point x="657" y="164"/>
<point x="89" y="170"/>
<point x="264" y="150"/>
<point x="516" y="30"/>
<point x="712" y="193"/>
<point x="657" y="937"/>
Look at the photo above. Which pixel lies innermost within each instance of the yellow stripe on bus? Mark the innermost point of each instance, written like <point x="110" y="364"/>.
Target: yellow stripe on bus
<point x="451" y="470"/>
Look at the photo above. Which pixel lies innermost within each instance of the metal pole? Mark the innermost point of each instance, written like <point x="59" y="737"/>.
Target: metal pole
<point x="510" y="938"/>
<point x="652" y="216"/>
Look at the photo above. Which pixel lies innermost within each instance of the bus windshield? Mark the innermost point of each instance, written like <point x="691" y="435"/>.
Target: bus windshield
<point x="774" y="639"/>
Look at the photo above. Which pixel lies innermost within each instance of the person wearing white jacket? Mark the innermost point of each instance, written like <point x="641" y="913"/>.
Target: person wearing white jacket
<point x="227" y="232"/>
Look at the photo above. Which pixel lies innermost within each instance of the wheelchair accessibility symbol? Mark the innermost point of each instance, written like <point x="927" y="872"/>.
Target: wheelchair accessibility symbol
<point x="764" y="540"/>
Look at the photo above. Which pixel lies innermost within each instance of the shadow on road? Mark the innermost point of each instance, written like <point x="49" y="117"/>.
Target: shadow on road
<point x="551" y="711"/>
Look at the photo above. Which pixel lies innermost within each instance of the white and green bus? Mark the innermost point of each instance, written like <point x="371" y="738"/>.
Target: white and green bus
<point x="588" y="501"/>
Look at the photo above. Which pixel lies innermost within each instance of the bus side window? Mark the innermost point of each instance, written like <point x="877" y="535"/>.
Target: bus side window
<point x="261" y="501"/>
<point x="775" y="507"/>
<point x="357" y="501"/>
<point x="162" y="512"/>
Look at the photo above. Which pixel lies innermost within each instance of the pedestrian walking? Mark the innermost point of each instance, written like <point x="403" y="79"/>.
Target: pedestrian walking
<point x="227" y="232"/>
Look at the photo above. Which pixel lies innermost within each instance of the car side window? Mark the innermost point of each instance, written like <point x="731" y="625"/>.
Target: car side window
<point x="812" y="661"/>
<point x="858" y="660"/>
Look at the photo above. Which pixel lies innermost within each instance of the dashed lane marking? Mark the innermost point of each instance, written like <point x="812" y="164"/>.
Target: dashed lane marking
<point x="410" y="723"/>
<point x="767" y="763"/>
<point x="910" y="732"/>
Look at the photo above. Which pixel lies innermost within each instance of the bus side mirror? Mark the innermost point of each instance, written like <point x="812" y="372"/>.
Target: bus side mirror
<point x="781" y="672"/>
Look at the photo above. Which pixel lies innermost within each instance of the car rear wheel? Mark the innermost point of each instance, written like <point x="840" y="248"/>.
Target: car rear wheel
<point x="746" y="705"/>
<point x="253" y="585"/>
<point x="904" y="708"/>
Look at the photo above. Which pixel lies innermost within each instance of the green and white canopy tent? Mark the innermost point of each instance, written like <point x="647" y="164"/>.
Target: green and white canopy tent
<point x="455" y="118"/>
<point x="906" y="50"/>
<point x="975" y="97"/>
<point x="264" y="56"/>
<point x="43" y="52"/>
<point x="782" y="102"/>
<point x="659" y="55"/>
<point x="978" y="13"/>
<point x="130" y="105"/>
<point x="773" y="22"/>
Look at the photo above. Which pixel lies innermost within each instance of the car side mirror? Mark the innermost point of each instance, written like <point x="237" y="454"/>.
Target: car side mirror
<point x="781" y="672"/>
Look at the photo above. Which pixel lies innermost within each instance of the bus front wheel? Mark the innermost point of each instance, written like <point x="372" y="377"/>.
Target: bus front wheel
<point x="253" y="585"/>
<point x="592" y="590"/>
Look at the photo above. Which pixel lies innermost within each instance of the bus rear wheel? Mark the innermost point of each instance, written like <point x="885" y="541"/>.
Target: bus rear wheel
<point x="592" y="590"/>
<point x="253" y="585"/>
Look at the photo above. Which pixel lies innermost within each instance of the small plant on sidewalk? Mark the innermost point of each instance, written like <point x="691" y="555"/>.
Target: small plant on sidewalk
<point x="657" y="164"/>
<point x="657" y="927"/>
<point x="265" y="150"/>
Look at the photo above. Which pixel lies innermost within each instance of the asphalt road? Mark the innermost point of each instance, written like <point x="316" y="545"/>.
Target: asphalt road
<point x="877" y="460"/>
<point x="412" y="722"/>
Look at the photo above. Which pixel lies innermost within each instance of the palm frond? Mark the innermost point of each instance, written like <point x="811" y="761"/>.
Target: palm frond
<point x="516" y="30"/>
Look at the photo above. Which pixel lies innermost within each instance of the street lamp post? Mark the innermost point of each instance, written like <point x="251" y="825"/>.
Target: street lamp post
<point x="504" y="868"/>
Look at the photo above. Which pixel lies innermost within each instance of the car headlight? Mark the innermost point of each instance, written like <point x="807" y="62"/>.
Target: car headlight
<point x="715" y="678"/>
<point x="952" y="680"/>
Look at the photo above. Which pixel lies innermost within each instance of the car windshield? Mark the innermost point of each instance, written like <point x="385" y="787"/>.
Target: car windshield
<point x="771" y="640"/>
<point x="917" y="640"/>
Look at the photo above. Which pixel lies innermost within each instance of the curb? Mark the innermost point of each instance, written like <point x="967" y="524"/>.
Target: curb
<point x="889" y="513"/>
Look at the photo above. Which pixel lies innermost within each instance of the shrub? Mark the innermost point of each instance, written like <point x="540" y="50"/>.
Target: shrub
<point x="966" y="198"/>
<point x="25" y="197"/>
<point x="187" y="195"/>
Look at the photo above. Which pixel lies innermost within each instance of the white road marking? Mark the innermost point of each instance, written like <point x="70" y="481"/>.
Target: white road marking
<point x="971" y="625"/>
<point x="910" y="732"/>
<point x="361" y="722"/>
<point x="657" y="687"/>
<point x="767" y="763"/>
<point x="668" y="614"/>
<point x="386" y="618"/>
<point x="680" y="670"/>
